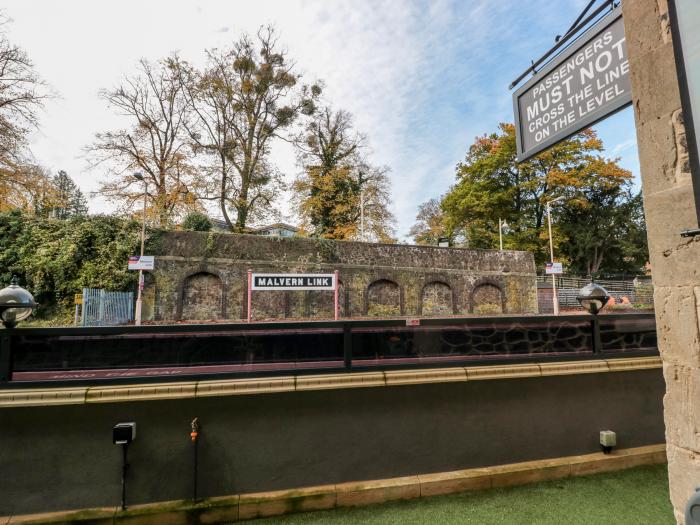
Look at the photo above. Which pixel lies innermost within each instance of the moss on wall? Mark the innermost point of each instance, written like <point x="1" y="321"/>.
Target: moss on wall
<point x="412" y="268"/>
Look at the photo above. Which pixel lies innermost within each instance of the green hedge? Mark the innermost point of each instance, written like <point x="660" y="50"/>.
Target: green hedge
<point x="55" y="259"/>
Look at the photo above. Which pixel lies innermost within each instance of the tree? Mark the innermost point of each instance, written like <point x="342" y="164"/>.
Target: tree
<point x="27" y="187"/>
<point x="22" y="93"/>
<point x="68" y="200"/>
<point x="247" y="96"/>
<point x="156" y="143"/>
<point x="429" y="223"/>
<point x="197" y="222"/>
<point x="55" y="259"/>
<point x="605" y="231"/>
<point x="491" y="185"/>
<point x="339" y="189"/>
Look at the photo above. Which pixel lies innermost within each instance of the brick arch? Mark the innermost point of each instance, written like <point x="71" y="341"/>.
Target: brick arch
<point x="208" y="281"/>
<point x="437" y="301"/>
<point x="383" y="297"/>
<point x="488" y="293"/>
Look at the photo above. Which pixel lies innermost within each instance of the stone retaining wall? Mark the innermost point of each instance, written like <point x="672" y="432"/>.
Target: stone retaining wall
<point x="278" y="433"/>
<point x="203" y="276"/>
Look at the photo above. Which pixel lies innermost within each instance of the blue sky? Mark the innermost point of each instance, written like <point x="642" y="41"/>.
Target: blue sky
<point x="422" y="79"/>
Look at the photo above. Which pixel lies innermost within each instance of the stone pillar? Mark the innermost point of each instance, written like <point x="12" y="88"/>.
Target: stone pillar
<point x="669" y="208"/>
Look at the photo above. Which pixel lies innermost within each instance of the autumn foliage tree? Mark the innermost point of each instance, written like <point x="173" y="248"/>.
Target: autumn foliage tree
<point x="154" y="143"/>
<point x="22" y="93"/>
<point x="248" y="96"/>
<point x="339" y="191"/>
<point x="492" y="185"/>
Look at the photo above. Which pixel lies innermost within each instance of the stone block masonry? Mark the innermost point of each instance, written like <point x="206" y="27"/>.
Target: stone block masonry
<point x="202" y="276"/>
<point x="669" y="208"/>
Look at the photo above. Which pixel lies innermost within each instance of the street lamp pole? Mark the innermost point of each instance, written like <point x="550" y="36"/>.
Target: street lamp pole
<point x="501" y="224"/>
<point x="500" y="233"/>
<point x="139" y="299"/>
<point x="362" y="214"/>
<point x="555" y="297"/>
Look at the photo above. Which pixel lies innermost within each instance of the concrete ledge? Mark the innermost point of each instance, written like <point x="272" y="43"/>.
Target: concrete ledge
<point x="634" y="363"/>
<point x="245" y="386"/>
<point x="503" y="372"/>
<point x="286" y="501"/>
<point x="111" y="394"/>
<point x="574" y="367"/>
<point x="367" y="492"/>
<point x="335" y="381"/>
<point x="416" y="377"/>
<point x="268" y="385"/>
<point x="42" y="397"/>
<point x="103" y="516"/>
<point x="229" y="509"/>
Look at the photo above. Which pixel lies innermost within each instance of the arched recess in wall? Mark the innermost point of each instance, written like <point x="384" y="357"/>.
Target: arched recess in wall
<point x="487" y="297"/>
<point x="202" y="297"/>
<point x="383" y="299"/>
<point x="150" y="300"/>
<point x="437" y="299"/>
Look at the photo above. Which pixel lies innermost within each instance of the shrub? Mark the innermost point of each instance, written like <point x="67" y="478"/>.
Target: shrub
<point x="197" y="222"/>
<point x="55" y="259"/>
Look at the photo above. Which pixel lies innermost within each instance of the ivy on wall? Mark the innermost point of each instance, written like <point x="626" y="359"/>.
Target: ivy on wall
<point x="55" y="259"/>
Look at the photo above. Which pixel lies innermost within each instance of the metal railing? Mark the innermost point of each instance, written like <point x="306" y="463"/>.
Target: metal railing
<point x="636" y="291"/>
<point x="99" y="354"/>
<point x="100" y="307"/>
<point x="568" y="281"/>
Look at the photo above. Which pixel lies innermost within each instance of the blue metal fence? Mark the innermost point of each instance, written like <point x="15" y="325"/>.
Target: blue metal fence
<point x="102" y="308"/>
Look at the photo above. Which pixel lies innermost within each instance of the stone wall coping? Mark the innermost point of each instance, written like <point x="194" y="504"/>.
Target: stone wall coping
<point x="229" y="509"/>
<point x="32" y="397"/>
<point x="271" y="238"/>
<point x="354" y="266"/>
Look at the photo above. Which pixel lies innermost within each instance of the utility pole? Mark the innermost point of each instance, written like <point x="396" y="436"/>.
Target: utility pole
<point x="555" y="296"/>
<point x="501" y="224"/>
<point x="362" y="214"/>
<point x="139" y="301"/>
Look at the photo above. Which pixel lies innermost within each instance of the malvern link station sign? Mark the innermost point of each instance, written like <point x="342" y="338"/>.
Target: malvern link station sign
<point x="584" y="84"/>
<point x="293" y="281"/>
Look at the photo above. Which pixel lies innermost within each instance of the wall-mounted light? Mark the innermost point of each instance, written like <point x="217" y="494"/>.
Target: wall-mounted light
<point x="608" y="439"/>
<point x="123" y="434"/>
<point x="16" y="304"/>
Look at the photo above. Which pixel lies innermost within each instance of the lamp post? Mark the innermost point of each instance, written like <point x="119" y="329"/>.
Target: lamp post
<point x="593" y="298"/>
<point x="362" y="214"/>
<point x="16" y="304"/>
<point x="501" y="226"/>
<point x="137" y="316"/>
<point x="555" y="297"/>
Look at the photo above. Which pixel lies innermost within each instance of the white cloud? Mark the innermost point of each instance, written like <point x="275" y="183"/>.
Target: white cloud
<point x="626" y="145"/>
<point x="421" y="78"/>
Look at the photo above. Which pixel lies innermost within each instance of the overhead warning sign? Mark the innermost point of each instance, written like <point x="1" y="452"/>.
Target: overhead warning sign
<point x="587" y="82"/>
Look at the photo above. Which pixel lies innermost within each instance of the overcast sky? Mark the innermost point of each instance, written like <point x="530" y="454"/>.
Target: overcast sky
<point x="422" y="78"/>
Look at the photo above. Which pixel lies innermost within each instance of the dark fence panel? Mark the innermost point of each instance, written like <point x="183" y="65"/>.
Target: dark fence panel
<point x="627" y="334"/>
<point x="214" y="351"/>
<point x="468" y="341"/>
<point x="262" y="348"/>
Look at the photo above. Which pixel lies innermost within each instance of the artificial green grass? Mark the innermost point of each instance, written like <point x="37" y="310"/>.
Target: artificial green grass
<point x="635" y="496"/>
